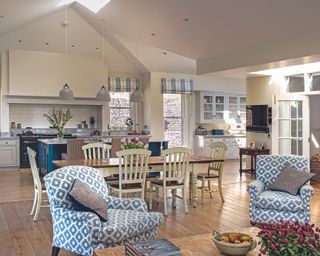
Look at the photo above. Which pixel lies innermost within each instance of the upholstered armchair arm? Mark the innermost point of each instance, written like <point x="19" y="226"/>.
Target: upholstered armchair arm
<point x="306" y="192"/>
<point x="255" y="188"/>
<point x="69" y="217"/>
<point x="134" y="204"/>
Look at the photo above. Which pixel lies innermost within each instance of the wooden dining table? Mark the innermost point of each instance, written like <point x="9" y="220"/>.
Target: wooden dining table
<point x="110" y="166"/>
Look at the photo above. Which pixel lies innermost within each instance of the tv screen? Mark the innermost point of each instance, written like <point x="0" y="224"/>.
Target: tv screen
<point x="257" y="118"/>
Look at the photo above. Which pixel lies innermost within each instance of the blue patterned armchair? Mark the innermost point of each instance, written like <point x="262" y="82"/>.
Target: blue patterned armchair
<point x="273" y="206"/>
<point x="83" y="232"/>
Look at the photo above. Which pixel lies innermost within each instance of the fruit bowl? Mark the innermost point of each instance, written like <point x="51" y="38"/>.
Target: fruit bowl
<point x="233" y="243"/>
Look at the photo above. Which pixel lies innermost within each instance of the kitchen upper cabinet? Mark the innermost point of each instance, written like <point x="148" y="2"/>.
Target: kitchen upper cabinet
<point x="236" y="109"/>
<point x="219" y="108"/>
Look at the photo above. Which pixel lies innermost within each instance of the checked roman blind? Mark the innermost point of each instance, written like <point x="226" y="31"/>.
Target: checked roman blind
<point x="123" y="84"/>
<point x="174" y="85"/>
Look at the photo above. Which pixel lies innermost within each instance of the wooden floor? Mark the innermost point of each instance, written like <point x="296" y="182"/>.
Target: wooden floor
<point x="19" y="235"/>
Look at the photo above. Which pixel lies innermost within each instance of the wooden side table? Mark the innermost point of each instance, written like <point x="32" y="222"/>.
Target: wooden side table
<point x="253" y="153"/>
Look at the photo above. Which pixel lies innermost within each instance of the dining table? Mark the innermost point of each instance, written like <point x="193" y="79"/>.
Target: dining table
<point x="110" y="166"/>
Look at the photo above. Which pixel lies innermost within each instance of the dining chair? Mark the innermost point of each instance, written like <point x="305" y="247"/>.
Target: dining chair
<point x="133" y="166"/>
<point x="175" y="172"/>
<point x="38" y="185"/>
<point x="97" y="150"/>
<point x="215" y="170"/>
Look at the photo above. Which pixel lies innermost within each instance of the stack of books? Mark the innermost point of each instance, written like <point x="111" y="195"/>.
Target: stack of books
<point x="160" y="247"/>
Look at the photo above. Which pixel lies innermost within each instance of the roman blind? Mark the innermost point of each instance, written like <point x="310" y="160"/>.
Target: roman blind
<point x="174" y="85"/>
<point x="123" y="84"/>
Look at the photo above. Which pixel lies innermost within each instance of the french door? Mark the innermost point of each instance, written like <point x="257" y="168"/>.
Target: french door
<point x="291" y="125"/>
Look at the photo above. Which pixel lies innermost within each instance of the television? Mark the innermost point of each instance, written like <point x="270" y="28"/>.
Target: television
<point x="258" y="117"/>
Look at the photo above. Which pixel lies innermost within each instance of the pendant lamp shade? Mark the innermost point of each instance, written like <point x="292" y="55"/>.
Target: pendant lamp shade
<point x="66" y="93"/>
<point x="136" y="96"/>
<point x="103" y="94"/>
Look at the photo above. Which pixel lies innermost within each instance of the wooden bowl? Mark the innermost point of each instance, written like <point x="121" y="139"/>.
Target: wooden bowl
<point x="233" y="249"/>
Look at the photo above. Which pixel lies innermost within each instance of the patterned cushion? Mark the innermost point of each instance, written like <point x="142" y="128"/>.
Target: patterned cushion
<point x="270" y="166"/>
<point x="290" y="180"/>
<point x="124" y="224"/>
<point x="279" y="201"/>
<point x="86" y="200"/>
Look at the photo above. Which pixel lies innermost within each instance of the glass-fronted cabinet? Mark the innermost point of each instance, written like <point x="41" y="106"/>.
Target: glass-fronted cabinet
<point x="214" y="107"/>
<point x="208" y="107"/>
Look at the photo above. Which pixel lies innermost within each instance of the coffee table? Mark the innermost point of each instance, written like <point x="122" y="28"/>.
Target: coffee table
<point x="197" y="245"/>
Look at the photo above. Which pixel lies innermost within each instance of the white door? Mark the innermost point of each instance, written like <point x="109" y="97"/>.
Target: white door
<point x="291" y="125"/>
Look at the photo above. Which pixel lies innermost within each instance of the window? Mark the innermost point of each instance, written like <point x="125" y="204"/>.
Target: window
<point x="119" y="108"/>
<point x="173" y="123"/>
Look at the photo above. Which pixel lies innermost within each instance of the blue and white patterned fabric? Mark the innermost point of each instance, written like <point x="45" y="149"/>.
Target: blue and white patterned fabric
<point x="173" y="85"/>
<point x="82" y="232"/>
<point x="123" y="84"/>
<point x="272" y="206"/>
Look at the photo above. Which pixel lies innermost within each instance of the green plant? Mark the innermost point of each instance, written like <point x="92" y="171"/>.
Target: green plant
<point x="289" y="239"/>
<point x="58" y="119"/>
<point x="131" y="143"/>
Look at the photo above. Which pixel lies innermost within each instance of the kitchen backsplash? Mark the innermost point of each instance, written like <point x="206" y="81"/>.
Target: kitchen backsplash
<point x="32" y="115"/>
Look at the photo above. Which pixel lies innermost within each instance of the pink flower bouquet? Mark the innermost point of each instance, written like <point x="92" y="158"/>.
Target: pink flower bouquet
<point x="132" y="143"/>
<point x="289" y="239"/>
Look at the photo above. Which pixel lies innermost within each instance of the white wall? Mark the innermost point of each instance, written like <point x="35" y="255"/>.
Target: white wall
<point x="34" y="73"/>
<point x="259" y="92"/>
<point x="32" y="115"/>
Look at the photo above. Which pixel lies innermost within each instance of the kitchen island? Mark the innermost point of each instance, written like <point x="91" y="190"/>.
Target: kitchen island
<point x="52" y="149"/>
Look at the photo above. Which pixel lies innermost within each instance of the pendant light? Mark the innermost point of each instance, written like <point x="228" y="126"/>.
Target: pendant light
<point x="136" y="95"/>
<point x="66" y="92"/>
<point x="103" y="94"/>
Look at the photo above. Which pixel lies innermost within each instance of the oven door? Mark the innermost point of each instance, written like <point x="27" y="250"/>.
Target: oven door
<point x="24" y="143"/>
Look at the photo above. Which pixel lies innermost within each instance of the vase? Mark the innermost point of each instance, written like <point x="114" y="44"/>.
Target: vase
<point x="60" y="134"/>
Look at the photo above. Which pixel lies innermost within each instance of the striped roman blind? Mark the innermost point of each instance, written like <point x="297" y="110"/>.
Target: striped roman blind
<point x="123" y="84"/>
<point x="173" y="85"/>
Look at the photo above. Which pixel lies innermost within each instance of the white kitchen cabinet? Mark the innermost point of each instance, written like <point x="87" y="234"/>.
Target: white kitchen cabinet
<point x="219" y="107"/>
<point x="236" y="106"/>
<point x="233" y="143"/>
<point x="9" y="152"/>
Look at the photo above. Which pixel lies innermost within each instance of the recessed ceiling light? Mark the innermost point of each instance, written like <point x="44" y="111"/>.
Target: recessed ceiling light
<point x="2" y="16"/>
<point x="19" y="41"/>
<point x="72" y="45"/>
<point x="153" y="34"/>
<point x="47" y="43"/>
<point x="97" y="48"/>
<point x="92" y="5"/>
<point x="186" y="19"/>
<point x="164" y="53"/>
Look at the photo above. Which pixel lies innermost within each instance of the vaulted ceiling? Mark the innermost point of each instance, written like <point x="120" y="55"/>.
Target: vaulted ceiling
<point x="188" y="36"/>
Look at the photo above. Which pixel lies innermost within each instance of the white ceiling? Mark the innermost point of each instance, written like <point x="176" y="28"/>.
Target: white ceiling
<point x="220" y="35"/>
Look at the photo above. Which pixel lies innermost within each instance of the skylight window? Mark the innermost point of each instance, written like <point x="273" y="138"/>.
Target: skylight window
<point x="92" y="5"/>
<point x="291" y="70"/>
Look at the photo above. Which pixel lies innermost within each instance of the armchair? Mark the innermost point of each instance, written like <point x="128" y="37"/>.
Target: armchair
<point x="273" y="206"/>
<point x="83" y="232"/>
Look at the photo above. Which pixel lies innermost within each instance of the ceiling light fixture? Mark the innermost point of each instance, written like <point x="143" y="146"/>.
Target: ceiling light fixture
<point x="66" y="93"/>
<point x="136" y="96"/>
<point x="92" y="5"/>
<point x="103" y="94"/>
<point x="153" y="34"/>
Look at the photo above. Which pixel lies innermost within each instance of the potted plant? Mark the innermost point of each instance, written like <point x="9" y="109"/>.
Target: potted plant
<point x="58" y="119"/>
<point x="289" y="239"/>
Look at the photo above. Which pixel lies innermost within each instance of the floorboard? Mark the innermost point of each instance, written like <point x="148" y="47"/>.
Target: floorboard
<point x="19" y="235"/>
